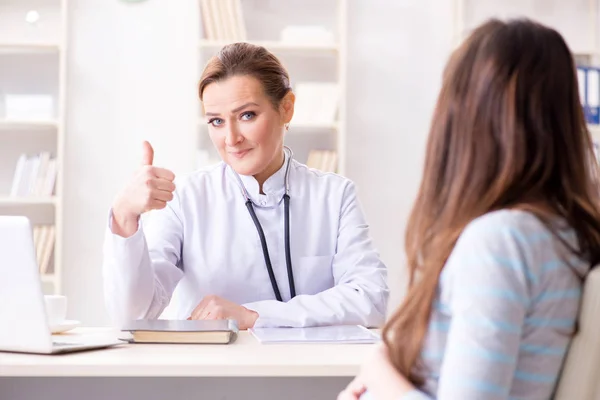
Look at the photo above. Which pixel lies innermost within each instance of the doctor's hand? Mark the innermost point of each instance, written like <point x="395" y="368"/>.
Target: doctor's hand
<point x="150" y="189"/>
<point x="215" y="307"/>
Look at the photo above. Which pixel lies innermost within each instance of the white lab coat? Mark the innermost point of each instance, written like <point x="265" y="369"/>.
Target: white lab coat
<point x="205" y="243"/>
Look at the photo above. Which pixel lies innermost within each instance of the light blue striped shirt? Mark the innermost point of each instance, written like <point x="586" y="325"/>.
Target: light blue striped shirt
<point x="505" y="311"/>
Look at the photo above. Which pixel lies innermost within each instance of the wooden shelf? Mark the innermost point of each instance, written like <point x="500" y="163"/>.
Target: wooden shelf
<point x="306" y="125"/>
<point x="28" y="201"/>
<point x="594" y="132"/>
<point x="28" y="48"/>
<point x="586" y="53"/>
<point x="276" y="45"/>
<point x="26" y="124"/>
<point x="48" y="278"/>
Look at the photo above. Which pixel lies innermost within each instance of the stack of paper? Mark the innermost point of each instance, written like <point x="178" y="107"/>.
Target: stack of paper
<point x="343" y="334"/>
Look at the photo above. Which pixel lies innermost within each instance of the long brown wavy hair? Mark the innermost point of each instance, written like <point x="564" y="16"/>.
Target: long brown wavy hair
<point x="508" y="131"/>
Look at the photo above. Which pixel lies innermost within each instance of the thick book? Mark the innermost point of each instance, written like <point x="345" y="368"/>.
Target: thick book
<point x="182" y="331"/>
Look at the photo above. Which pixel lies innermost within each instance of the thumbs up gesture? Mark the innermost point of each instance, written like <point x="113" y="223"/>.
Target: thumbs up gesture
<point x="150" y="189"/>
<point x="148" y="154"/>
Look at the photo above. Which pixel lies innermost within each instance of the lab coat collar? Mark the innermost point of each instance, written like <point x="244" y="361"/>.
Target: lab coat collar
<point x="274" y="186"/>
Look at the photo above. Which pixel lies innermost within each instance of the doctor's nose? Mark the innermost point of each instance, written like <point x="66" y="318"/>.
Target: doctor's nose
<point x="233" y="137"/>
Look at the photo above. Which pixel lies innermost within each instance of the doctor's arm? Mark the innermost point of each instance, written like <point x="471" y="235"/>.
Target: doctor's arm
<point x="140" y="271"/>
<point x="360" y="293"/>
<point x="141" y="254"/>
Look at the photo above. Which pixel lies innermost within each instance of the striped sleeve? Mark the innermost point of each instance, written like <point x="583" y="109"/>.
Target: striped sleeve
<point x="484" y="334"/>
<point x="414" y="395"/>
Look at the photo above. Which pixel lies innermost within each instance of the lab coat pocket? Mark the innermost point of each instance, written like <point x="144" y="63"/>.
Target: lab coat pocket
<point x="314" y="274"/>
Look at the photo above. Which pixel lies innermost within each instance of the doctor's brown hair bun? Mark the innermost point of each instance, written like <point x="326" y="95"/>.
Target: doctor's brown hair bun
<point x="239" y="59"/>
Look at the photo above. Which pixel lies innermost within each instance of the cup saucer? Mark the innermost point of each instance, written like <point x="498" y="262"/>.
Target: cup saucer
<point x="64" y="326"/>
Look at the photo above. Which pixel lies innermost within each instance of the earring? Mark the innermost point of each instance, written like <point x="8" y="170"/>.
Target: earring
<point x="287" y="127"/>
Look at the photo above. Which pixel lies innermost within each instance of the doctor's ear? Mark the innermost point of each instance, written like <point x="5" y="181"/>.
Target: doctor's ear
<point x="286" y="107"/>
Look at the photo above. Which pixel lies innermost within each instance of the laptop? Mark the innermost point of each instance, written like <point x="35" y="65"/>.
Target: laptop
<point x="23" y="319"/>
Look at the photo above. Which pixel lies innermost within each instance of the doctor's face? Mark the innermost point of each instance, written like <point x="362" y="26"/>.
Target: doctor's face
<point x="244" y="125"/>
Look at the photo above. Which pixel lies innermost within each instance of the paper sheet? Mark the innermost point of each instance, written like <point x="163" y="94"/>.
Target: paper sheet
<point x="346" y="334"/>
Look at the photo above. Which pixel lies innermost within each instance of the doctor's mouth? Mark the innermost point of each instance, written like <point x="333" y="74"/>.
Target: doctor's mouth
<point x="239" y="154"/>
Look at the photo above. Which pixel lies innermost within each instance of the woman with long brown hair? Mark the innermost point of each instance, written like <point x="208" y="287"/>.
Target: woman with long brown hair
<point x="505" y="227"/>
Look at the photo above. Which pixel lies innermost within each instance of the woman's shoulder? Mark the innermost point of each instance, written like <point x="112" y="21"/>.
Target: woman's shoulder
<point x="508" y="223"/>
<point x="498" y="248"/>
<point x="516" y="239"/>
<point x="506" y="237"/>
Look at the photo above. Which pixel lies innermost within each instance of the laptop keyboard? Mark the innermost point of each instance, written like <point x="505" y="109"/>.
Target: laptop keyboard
<point x="63" y="344"/>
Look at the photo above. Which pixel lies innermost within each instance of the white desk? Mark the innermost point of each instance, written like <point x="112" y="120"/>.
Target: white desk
<point x="245" y="364"/>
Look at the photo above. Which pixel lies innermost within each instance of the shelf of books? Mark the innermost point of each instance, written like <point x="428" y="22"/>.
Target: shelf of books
<point x="32" y="101"/>
<point x="309" y="37"/>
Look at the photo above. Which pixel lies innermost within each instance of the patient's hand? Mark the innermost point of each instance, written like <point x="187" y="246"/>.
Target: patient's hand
<point x="377" y="379"/>
<point x="354" y="391"/>
<point x="215" y="307"/>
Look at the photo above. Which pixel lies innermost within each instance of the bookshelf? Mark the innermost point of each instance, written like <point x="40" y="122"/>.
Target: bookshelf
<point x="310" y="39"/>
<point x="33" y="49"/>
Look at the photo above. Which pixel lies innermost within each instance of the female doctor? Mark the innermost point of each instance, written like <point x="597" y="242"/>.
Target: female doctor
<point x="259" y="238"/>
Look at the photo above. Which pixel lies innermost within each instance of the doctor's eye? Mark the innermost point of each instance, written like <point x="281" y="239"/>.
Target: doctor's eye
<point x="215" y="122"/>
<point x="248" y="115"/>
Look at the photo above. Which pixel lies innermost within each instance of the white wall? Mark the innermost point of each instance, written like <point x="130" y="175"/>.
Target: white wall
<point x="131" y="77"/>
<point x="397" y="52"/>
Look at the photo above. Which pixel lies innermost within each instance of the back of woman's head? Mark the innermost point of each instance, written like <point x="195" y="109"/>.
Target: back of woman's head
<point x="508" y="131"/>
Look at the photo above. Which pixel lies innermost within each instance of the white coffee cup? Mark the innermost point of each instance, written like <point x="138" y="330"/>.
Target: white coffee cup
<point x="56" y="308"/>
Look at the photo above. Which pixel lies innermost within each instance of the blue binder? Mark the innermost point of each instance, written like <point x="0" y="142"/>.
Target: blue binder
<point x="591" y="97"/>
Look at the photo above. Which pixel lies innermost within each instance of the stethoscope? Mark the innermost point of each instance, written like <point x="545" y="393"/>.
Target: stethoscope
<point x="261" y="234"/>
